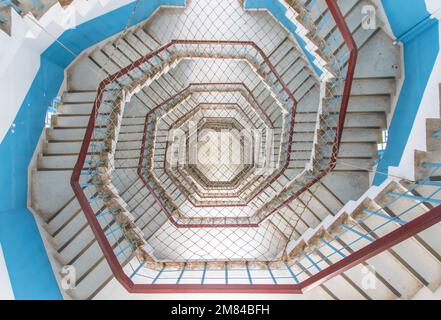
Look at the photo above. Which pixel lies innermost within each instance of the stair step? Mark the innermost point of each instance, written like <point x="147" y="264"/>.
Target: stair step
<point x="79" y="97"/>
<point x="93" y="281"/>
<point x="369" y="104"/>
<point x="426" y="266"/>
<point x="365" y="120"/>
<point x="373" y="86"/>
<point x="64" y="215"/>
<point x="57" y="162"/>
<point x="398" y="276"/>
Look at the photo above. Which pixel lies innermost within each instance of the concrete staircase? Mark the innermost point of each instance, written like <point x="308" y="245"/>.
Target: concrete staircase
<point x="401" y="272"/>
<point x="374" y="85"/>
<point x="408" y="270"/>
<point x="35" y="7"/>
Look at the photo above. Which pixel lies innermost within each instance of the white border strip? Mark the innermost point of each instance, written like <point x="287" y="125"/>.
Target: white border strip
<point x="6" y="292"/>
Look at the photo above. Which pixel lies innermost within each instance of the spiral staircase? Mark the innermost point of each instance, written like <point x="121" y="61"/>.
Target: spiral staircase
<point x="207" y="150"/>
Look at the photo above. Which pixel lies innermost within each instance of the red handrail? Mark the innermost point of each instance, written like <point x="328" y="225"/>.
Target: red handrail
<point x="352" y="62"/>
<point x="402" y="233"/>
<point x="292" y="122"/>
<point x="336" y="145"/>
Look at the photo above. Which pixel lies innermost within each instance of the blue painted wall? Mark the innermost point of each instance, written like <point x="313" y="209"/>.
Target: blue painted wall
<point x="412" y="25"/>
<point x="26" y="259"/>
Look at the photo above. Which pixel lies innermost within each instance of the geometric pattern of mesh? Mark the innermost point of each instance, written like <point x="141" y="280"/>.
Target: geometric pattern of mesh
<point x="210" y="121"/>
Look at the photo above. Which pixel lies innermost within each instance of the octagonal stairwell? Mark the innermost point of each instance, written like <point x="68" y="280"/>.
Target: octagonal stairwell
<point x="201" y="227"/>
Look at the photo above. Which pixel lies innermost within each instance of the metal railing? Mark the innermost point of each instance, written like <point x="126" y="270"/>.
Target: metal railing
<point x="223" y="50"/>
<point x="120" y="253"/>
<point x="332" y="130"/>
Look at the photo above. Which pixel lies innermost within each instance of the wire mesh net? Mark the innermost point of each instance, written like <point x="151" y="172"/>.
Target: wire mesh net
<point x="208" y="137"/>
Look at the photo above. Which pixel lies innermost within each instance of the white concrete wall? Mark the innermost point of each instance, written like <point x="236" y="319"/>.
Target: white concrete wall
<point x="434" y="7"/>
<point x="21" y="61"/>
<point x="5" y="284"/>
